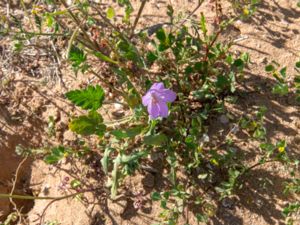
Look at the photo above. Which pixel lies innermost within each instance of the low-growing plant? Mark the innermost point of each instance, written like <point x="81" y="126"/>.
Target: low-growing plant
<point x="171" y="79"/>
<point x="289" y="210"/>
<point x="282" y="87"/>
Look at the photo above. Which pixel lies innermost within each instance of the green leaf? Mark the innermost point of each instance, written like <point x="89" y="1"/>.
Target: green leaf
<point x="203" y="24"/>
<point x="49" y="20"/>
<point x="151" y="57"/>
<point x="222" y="82"/>
<point x="51" y="159"/>
<point x="56" y="154"/>
<point x="280" y="89"/>
<point x="259" y="133"/>
<point x="110" y="13"/>
<point x="158" y="139"/>
<point x="202" y="218"/>
<point x="88" y="125"/>
<point x="163" y="204"/>
<point x="18" y="46"/>
<point x="115" y="176"/>
<point x="126" y="159"/>
<point x="104" y="58"/>
<point x="129" y="133"/>
<point x="76" y="56"/>
<point x="161" y="35"/>
<point x="90" y="98"/>
<point x="155" y="196"/>
<point x="239" y="63"/>
<point x="269" y="68"/>
<point x="298" y="65"/>
<point x="129" y="52"/>
<point x="38" y="22"/>
<point x="75" y="183"/>
<point x="170" y="11"/>
<point x="188" y="70"/>
<point x="283" y="72"/>
<point x="105" y="159"/>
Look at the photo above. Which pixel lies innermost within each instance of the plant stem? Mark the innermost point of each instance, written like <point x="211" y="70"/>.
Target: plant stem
<point x="73" y="37"/>
<point x="108" y="23"/>
<point x="257" y="164"/>
<point x="105" y="81"/>
<point x="119" y="122"/>
<point x="200" y="2"/>
<point x="77" y="21"/>
<point x="35" y="33"/>
<point x="138" y="17"/>
<point x="28" y="197"/>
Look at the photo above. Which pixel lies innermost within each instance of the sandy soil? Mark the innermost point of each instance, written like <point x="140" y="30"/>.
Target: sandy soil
<point x="32" y="89"/>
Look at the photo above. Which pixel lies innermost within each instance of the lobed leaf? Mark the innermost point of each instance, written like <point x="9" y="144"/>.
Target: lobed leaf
<point x="158" y="139"/>
<point x="88" y="125"/>
<point x="128" y="133"/>
<point x="110" y="13"/>
<point x="76" y="56"/>
<point x="90" y="98"/>
<point x="56" y="154"/>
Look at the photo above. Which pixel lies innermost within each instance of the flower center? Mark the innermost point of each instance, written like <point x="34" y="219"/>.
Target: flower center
<point x="154" y="98"/>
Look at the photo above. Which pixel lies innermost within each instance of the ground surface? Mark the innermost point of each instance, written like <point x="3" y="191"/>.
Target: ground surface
<point x="32" y="90"/>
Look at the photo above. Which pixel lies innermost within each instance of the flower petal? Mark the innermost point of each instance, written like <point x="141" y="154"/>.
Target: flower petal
<point x="167" y="95"/>
<point x="146" y="99"/>
<point x="158" y="86"/>
<point x="163" y="109"/>
<point x="153" y="110"/>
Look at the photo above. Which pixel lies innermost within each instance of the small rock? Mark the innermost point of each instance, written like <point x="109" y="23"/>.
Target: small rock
<point x="239" y="22"/>
<point x="45" y="189"/>
<point x="297" y="140"/>
<point x="118" y="106"/>
<point x="228" y="203"/>
<point x="148" y="181"/>
<point x="204" y="138"/>
<point x="117" y="207"/>
<point x="69" y="136"/>
<point x="235" y="129"/>
<point x="224" y="119"/>
<point x="263" y="60"/>
<point x="156" y="156"/>
<point x="118" y="114"/>
<point x="259" y="203"/>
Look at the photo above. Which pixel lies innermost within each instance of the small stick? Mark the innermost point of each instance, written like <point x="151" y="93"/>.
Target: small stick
<point x="200" y="2"/>
<point x="138" y="17"/>
<point x="14" y="187"/>
<point x="29" y="197"/>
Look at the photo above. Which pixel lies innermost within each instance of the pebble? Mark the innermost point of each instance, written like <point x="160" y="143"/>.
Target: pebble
<point x="118" y="106"/>
<point x="259" y="203"/>
<point x="118" y="114"/>
<point x="156" y="156"/>
<point x="204" y="138"/>
<point x="224" y="119"/>
<point x="297" y="140"/>
<point x="263" y="60"/>
<point x="118" y="207"/>
<point x="69" y="136"/>
<point x="228" y="203"/>
<point x="149" y="181"/>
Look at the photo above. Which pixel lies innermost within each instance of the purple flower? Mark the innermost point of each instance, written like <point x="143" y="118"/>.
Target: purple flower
<point x="156" y="100"/>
